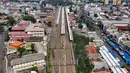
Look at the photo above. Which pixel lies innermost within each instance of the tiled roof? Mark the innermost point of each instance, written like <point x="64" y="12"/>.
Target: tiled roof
<point x="91" y="49"/>
<point x="101" y="69"/>
<point x="16" y="44"/>
<point x="19" y="38"/>
<point x="96" y="59"/>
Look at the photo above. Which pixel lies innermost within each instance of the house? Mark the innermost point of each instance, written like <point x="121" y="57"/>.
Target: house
<point x="12" y="48"/>
<point x="13" y="39"/>
<point x="28" y="62"/>
<point x="35" y="39"/>
<point x="91" y="51"/>
<point x="16" y="44"/>
<point x="23" y="37"/>
<point x="122" y="26"/>
<point x="24" y="22"/>
<point x="12" y="33"/>
<point x="20" y="27"/>
<point x="99" y="66"/>
<point x="41" y="14"/>
<point x="18" y="32"/>
<point x="35" y="30"/>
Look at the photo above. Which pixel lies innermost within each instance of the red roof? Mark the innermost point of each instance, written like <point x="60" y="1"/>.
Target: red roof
<point x="19" y="38"/>
<point x="101" y="69"/>
<point x="126" y="28"/>
<point x="22" y="35"/>
<point x="23" y="25"/>
<point x="96" y="59"/>
<point x="18" y="28"/>
<point x="11" y="33"/>
<point x="91" y="49"/>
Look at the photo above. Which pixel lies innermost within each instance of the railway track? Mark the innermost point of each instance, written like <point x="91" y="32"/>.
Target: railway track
<point x="62" y="51"/>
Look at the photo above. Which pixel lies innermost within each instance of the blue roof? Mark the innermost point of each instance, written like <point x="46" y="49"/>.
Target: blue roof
<point x="121" y="63"/>
<point x="126" y="57"/>
<point x="121" y="52"/>
<point x="113" y="54"/>
<point x="114" y="46"/>
<point x="109" y="49"/>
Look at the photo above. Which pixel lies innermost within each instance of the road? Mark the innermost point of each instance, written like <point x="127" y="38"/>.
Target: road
<point x="2" y="53"/>
<point x="62" y="50"/>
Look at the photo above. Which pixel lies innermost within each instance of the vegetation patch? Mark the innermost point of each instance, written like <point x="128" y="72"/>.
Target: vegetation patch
<point x="83" y="63"/>
<point x="48" y="65"/>
<point x="29" y="18"/>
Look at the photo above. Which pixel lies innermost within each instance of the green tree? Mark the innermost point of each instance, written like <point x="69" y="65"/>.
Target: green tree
<point x="84" y="65"/>
<point x="33" y="48"/>
<point x="7" y="38"/>
<point x="122" y="1"/>
<point x="123" y="66"/>
<point x="70" y="8"/>
<point x="80" y="26"/>
<point x="11" y="20"/>
<point x="95" y="15"/>
<point x="29" y="18"/>
<point x="35" y="68"/>
<point x="49" y="24"/>
<point x="21" y="50"/>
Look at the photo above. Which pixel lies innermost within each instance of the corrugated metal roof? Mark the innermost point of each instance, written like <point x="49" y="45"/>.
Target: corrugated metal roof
<point x="28" y="58"/>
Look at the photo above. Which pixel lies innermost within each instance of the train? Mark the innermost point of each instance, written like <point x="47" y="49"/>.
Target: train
<point x="121" y="52"/>
<point x="65" y="11"/>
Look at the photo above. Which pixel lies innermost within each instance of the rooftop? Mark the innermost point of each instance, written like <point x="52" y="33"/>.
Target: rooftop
<point x="34" y="27"/>
<point x="91" y="49"/>
<point x="16" y="45"/>
<point x="19" y="38"/>
<point x="28" y="58"/>
<point x="24" y="22"/>
<point x="12" y="32"/>
<point x="40" y="48"/>
<point x="99" y="65"/>
<point x="11" y="56"/>
<point x="22" y="35"/>
<point x="20" y="26"/>
<point x="101" y="70"/>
